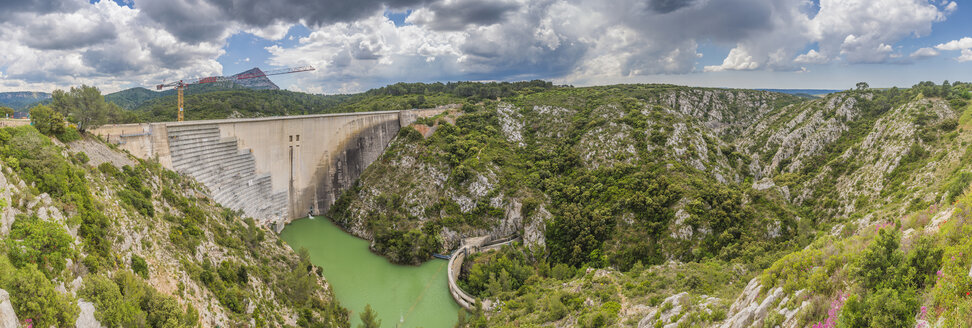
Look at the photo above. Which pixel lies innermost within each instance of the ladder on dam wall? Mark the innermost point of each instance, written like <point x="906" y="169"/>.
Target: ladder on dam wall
<point x="228" y="172"/>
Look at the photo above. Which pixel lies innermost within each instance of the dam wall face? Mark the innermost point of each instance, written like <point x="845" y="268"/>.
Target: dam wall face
<point x="273" y="169"/>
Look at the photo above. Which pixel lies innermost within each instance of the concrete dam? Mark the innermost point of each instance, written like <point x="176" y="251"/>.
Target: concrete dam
<point x="273" y="169"/>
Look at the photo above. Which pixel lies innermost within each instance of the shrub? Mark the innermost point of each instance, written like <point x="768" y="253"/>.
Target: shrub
<point x="127" y="301"/>
<point x="33" y="297"/>
<point x="410" y="134"/>
<point x="80" y="158"/>
<point x="139" y="266"/>
<point x="957" y="184"/>
<point x="138" y="201"/>
<point x="46" y="120"/>
<point x="892" y="308"/>
<point x="926" y="259"/>
<point x="880" y="261"/>
<point x="69" y="134"/>
<point x="44" y="243"/>
<point x="109" y="169"/>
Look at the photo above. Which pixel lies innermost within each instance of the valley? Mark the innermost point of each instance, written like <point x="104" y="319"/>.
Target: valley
<point x="634" y="205"/>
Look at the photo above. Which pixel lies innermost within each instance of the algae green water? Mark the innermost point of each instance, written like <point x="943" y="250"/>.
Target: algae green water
<point x="403" y="296"/>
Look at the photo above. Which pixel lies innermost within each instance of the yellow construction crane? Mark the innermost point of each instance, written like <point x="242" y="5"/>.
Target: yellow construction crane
<point x="180" y="85"/>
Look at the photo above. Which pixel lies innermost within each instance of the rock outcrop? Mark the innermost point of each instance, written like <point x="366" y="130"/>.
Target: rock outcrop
<point x="8" y="319"/>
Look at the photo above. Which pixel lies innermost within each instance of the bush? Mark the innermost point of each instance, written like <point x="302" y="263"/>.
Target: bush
<point x="69" y="134"/>
<point x="33" y="297"/>
<point x="410" y="134"/>
<point x="127" y="301"/>
<point x="109" y="169"/>
<point x="892" y="308"/>
<point x="80" y="158"/>
<point x="46" y="120"/>
<point x="138" y="201"/>
<point x="879" y="263"/>
<point x="957" y="184"/>
<point x="139" y="266"/>
<point x="925" y="259"/>
<point x="44" y="243"/>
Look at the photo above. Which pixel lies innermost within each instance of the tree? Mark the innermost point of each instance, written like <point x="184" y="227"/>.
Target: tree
<point x="369" y="319"/>
<point x="861" y="86"/>
<point x="878" y="265"/>
<point x="34" y="297"/>
<point x="84" y="106"/>
<point x="46" y="120"/>
<point x="45" y="243"/>
<point x="6" y="111"/>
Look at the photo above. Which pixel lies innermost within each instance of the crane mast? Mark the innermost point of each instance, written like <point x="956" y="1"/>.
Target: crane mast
<point x="180" y="85"/>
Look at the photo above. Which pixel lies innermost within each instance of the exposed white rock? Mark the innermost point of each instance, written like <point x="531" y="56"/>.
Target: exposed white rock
<point x="534" y="231"/>
<point x="741" y="311"/>
<point x="677" y="301"/>
<point x="481" y="185"/>
<point x="8" y="319"/>
<point x="511" y="122"/>
<point x="774" y="229"/>
<point x="763" y="184"/>
<point x="682" y="230"/>
<point x="607" y="145"/>
<point x="769" y="301"/>
<point x="86" y="318"/>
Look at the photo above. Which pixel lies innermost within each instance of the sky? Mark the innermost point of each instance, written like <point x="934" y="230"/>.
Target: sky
<point x="356" y="45"/>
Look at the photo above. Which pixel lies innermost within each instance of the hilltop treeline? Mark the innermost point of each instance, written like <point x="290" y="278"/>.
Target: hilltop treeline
<point x="399" y="96"/>
<point x="489" y="90"/>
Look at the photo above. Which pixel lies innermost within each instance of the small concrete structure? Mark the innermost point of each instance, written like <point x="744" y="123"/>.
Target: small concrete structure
<point x="274" y="169"/>
<point x="12" y="122"/>
<point x="470" y="246"/>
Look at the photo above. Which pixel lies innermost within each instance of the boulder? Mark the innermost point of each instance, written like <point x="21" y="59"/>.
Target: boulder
<point x="86" y="318"/>
<point x="8" y="319"/>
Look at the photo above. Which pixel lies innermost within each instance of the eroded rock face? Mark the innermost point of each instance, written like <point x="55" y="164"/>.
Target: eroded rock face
<point x="86" y="318"/>
<point x="749" y="311"/>
<point x="673" y="306"/>
<point x="8" y="319"/>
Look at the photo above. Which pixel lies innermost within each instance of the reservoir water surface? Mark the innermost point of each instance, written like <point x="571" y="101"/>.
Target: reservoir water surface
<point x="403" y="295"/>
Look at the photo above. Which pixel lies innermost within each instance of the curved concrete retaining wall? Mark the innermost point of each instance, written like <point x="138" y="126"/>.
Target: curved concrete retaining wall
<point x="455" y="264"/>
<point x="470" y="246"/>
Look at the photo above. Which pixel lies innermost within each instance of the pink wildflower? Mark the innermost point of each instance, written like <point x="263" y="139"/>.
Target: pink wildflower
<point x="833" y="313"/>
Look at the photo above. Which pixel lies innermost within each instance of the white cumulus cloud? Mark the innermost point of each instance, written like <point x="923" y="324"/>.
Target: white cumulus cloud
<point x="924" y="53"/>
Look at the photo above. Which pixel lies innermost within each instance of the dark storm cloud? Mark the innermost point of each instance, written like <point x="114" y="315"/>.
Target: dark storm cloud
<point x="55" y="35"/>
<point x="457" y="15"/>
<point x="667" y="6"/>
<point x="108" y="62"/>
<point x="207" y="20"/>
<point x="719" y="20"/>
<point x="9" y="7"/>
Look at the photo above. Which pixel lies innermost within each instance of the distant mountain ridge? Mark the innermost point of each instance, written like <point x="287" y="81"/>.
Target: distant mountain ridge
<point x="20" y="100"/>
<point x="256" y="83"/>
<point x="802" y="92"/>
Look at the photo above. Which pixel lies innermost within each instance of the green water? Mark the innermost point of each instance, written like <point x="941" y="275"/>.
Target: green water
<point x="403" y="296"/>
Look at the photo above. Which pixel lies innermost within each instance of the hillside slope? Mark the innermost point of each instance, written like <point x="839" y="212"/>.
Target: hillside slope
<point x="22" y="99"/>
<point x="90" y="233"/>
<point x="654" y="204"/>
